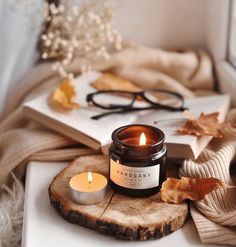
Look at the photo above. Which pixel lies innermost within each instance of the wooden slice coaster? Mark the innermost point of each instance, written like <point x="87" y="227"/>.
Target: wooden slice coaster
<point x="118" y="215"/>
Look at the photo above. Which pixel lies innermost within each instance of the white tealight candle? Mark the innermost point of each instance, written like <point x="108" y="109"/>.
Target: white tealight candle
<point x="88" y="188"/>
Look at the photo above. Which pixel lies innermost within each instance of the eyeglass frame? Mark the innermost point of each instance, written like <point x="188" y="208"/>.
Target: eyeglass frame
<point x="129" y="107"/>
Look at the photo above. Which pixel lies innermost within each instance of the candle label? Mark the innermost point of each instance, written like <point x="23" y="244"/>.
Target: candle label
<point x="134" y="177"/>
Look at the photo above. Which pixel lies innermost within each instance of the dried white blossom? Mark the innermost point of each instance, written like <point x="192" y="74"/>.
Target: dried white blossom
<point x="78" y="31"/>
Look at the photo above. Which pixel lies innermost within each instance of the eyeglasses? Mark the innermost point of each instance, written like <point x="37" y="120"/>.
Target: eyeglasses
<point x="124" y="101"/>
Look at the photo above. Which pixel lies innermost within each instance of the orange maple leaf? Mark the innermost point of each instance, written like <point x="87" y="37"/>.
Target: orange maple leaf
<point x="177" y="190"/>
<point x="206" y="124"/>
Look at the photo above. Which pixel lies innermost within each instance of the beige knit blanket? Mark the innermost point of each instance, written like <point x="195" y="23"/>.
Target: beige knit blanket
<point x="187" y="72"/>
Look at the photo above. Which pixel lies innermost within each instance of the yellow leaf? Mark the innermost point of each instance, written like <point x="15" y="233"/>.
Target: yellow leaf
<point x="109" y="81"/>
<point x="64" y="94"/>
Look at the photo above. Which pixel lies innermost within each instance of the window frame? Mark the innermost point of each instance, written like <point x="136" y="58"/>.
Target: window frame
<point x="231" y="57"/>
<point x="217" y="34"/>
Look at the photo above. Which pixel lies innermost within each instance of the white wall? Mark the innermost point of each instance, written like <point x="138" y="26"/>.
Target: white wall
<point x="163" y="23"/>
<point x="159" y="23"/>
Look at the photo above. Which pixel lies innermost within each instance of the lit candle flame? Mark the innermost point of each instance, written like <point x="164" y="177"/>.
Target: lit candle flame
<point x="142" y="140"/>
<point x="90" y="177"/>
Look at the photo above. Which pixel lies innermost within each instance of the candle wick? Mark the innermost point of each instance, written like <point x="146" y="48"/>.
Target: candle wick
<point x="90" y="177"/>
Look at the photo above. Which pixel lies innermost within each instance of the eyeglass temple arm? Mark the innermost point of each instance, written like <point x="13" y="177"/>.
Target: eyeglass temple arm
<point x="154" y="107"/>
<point x="96" y="117"/>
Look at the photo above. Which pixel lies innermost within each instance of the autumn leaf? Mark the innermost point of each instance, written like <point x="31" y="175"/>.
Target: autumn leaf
<point x="109" y="81"/>
<point x="206" y="124"/>
<point x="177" y="190"/>
<point x="64" y="94"/>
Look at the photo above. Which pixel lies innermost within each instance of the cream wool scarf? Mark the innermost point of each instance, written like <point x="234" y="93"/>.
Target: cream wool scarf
<point x="186" y="72"/>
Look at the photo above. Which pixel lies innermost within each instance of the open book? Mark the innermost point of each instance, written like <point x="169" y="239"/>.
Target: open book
<point x="78" y="125"/>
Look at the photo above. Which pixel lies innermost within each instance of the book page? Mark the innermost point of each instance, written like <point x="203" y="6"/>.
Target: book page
<point x="182" y="146"/>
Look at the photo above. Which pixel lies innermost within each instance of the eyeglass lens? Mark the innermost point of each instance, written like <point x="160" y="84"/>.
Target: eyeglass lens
<point x="163" y="98"/>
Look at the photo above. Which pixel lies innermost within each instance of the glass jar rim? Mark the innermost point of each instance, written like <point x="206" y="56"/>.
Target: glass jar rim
<point x="156" y="143"/>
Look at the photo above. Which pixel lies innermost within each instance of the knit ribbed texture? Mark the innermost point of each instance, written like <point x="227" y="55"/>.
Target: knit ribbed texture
<point x="215" y="215"/>
<point x="187" y="72"/>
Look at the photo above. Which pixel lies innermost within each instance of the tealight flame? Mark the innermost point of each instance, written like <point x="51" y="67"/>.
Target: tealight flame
<point x="90" y="177"/>
<point x="142" y="140"/>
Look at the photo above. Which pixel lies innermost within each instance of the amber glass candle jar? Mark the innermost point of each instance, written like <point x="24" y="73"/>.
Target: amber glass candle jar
<point x="137" y="160"/>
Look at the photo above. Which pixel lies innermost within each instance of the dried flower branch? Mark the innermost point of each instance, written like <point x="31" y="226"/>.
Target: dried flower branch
<point x="83" y="32"/>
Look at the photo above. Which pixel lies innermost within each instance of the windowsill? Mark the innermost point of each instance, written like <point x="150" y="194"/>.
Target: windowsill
<point x="232" y="59"/>
<point x="227" y="76"/>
